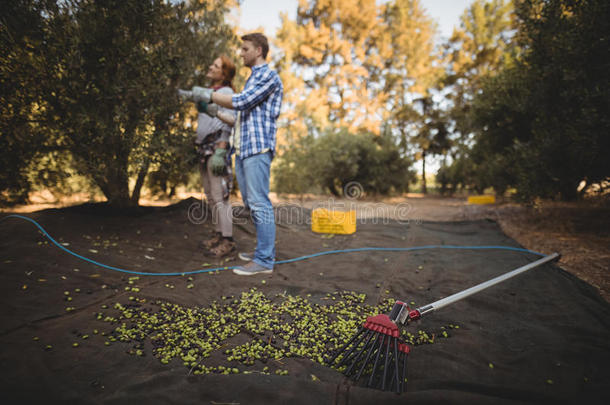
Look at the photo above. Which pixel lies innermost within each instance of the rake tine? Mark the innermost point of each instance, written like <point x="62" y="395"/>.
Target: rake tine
<point x="400" y="358"/>
<point x="392" y="372"/>
<point x="385" y="366"/>
<point x="360" y="353"/>
<point x="396" y="366"/>
<point x="394" y="376"/>
<point x="403" y="382"/>
<point x="366" y="361"/>
<point x="332" y="360"/>
<point x="348" y="355"/>
<point x="376" y="362"/>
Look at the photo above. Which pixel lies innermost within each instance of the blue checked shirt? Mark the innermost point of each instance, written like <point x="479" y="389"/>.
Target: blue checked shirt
<point x="259" y="106"/>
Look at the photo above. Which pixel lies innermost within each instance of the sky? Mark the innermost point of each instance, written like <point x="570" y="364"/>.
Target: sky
<point x="266" y="13"/>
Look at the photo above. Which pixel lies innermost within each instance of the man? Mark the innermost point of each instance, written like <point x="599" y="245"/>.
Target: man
<point x="258" y="106"/>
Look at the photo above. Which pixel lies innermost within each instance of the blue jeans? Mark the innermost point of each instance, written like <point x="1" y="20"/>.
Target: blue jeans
<point x="255" y="181"/>
<point x="241" y="180"/>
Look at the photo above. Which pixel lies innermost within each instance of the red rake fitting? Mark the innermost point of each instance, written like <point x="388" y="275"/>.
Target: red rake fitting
<point x="382" y="324"/>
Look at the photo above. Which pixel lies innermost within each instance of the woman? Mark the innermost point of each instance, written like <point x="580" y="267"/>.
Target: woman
<point x="213" y="131"/>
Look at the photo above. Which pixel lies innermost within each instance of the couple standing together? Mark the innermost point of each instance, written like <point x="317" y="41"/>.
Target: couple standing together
<point x="252" y="114"/>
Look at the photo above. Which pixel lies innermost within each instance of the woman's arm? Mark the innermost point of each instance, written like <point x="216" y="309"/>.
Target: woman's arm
<point x="227" y="118"/>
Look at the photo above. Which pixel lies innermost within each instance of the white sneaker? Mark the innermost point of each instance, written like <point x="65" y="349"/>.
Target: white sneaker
<point x="251" y="269"/>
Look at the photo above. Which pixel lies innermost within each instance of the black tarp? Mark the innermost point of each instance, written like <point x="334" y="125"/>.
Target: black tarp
<point x="546" y="333"/>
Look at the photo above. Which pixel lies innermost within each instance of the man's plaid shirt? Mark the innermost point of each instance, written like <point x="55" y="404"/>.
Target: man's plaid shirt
<point x="259" y="105"/>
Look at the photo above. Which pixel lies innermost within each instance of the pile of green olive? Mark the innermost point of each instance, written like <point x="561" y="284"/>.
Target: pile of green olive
<point x="211" y="339"/>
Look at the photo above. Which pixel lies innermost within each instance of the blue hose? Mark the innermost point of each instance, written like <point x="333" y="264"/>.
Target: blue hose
<point x="363" y="249"/>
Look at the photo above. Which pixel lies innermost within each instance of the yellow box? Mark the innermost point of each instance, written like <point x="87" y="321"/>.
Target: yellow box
<point x="482" y="199"/>
<point x="331" y="221"/>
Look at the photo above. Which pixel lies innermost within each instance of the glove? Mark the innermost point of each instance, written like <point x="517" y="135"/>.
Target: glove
<point x="210" y="109"/>
<point x="202" y="94"/>
<point x="217" y="161"/>
<point x="197" y="94"/>
<point x="185" y="94"/>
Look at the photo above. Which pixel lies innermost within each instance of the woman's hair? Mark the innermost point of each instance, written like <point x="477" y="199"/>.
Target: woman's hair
<point x="228" y="71"/>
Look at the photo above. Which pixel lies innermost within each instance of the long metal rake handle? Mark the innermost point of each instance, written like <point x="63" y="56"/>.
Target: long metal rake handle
<point x="417" y="313"/>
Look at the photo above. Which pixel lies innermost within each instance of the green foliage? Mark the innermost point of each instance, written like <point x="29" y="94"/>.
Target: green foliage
<point x="455" y="176"/>
<point x="540" y="124"/>
<point x="332" y="160"/>
<point x="55" y="173"/>
<point x="569" y="60"/>
<point x="21" y="32"/>
<point x="99" y="80"/>
<point x="477" y="50"/>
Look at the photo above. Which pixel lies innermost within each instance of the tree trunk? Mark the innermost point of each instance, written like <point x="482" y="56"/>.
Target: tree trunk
<point x="331" y="187"/>
<point x="114" y="183"/>
<point x="423" y="172"/>
<point x="117" y="193"/>
<point x="137" y="188"/>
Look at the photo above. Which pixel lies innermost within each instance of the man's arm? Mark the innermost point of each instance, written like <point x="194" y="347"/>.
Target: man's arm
<point x="251" y="97"/>
<point x="223" y="100"/>
<point x="257" y="92"/>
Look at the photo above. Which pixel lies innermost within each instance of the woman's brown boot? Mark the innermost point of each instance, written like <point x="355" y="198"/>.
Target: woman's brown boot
<point x="224" y="248"/>
<point x="212" y="242"/>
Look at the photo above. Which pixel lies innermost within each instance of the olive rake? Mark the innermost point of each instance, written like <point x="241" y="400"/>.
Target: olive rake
<point x="376" y="351"/>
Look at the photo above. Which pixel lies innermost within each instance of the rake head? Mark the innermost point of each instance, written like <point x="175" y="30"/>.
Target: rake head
<point x="376" y="353"/>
